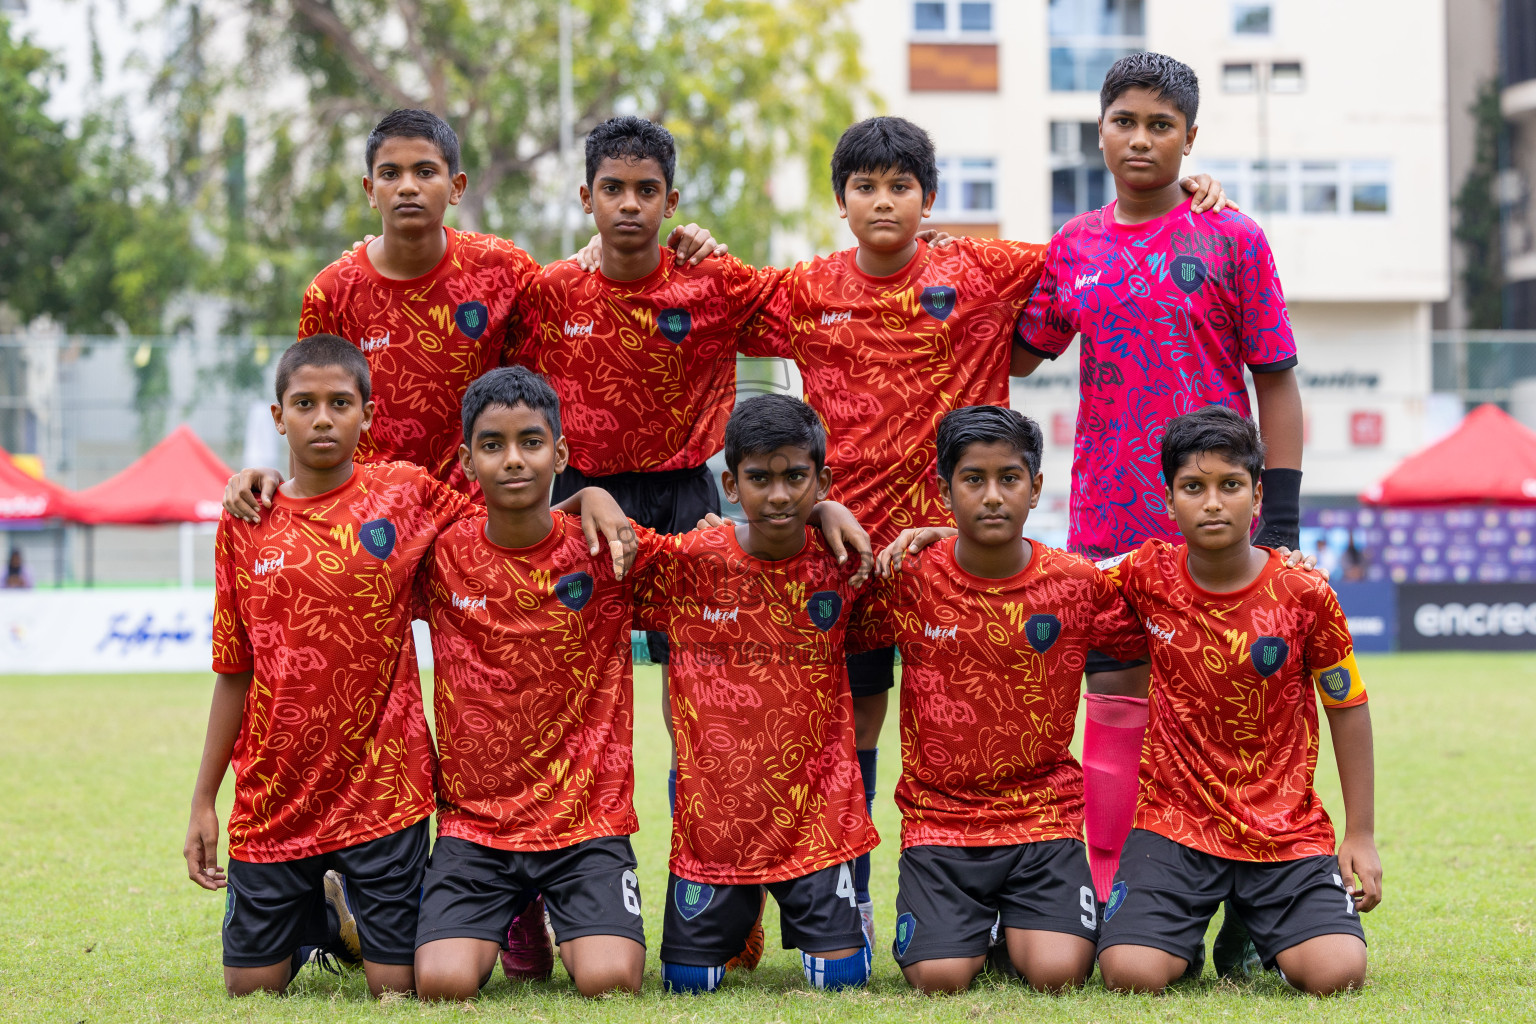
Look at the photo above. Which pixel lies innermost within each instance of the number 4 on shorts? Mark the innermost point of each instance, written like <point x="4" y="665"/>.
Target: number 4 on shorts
<point x="845" y="886"/>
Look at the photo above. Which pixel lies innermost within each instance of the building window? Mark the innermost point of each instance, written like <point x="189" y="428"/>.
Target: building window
<point x="1238" y="78"/>
<point x="1250" y="19"/>
<point x="952" y="19"/>
<point x="1079" y="180"/>
<point x="1087" y="36"/>
<point x="1311" y="188"/>
<point x="967" y="189"/>
<point x="1285" y="76"/>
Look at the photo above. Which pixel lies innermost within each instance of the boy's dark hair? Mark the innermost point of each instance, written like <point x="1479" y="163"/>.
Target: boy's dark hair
<point x="324" y="350"/>
<point x="1171" y="79"/>
<point x="631" y="138"/>
<point x="1215" y="429"/>
<point x="414" y="124"/>
<point x="884" y="144"/>
<point x="987" y="424"/>
<point x="767" y="422"/>
<point x="511" y="386"/>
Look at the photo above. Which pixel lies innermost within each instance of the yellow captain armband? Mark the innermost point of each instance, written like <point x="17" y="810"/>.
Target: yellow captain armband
<point x="1340" y="685"/>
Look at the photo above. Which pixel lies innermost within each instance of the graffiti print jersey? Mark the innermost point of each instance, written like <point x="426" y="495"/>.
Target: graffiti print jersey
<point x="426" y="339"/>
<point x="533" y="688"/>
<point x="991" y="677"/>
<point x="316" y="601"/>
<point x="646" y="369"/>
<point x="1169" y="313"/>
<point x="768" y="784"/>
<point x="884" y="358"/>
<point x="1231" y="747"/>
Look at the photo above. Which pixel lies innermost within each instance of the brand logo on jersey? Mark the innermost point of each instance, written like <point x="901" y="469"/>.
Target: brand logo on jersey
<point x="374" y="344"/>
<point x="468" y="604"/>
<point x="906" y="927"/>
<point x="939" y="301"/>
<point x="1041" y="631"/>
<point x="1269" y="653"/>
<point x="719" y="614"/>
<point x="267" y="565"/>
<point x="377" y="537"/>
<point x="1116" y="900"/>
<point x="941" y="632"/>
<point x="577" y="330"/>
<point x="692" y="897"/>
<point x="824" y="608"/>
<point x="574" y="590"/>
<point x="1165" y="635"/>
<point x="1188" y="273"/>
<point x="1336" y="683"/>
<point x="1084" y="280"/>
<point x="473" y="318"/>
<point x="674" y="324"/>
<point x="834" y="316"/>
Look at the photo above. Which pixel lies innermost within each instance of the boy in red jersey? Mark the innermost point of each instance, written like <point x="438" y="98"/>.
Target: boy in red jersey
<point x="768" y="793"/>
<point x="1227" y="808"/>
<point x="535" y="712"/>
<point x="993" y="631"/>
<point x="889" y="337"/>
<point x="428" y="305"/>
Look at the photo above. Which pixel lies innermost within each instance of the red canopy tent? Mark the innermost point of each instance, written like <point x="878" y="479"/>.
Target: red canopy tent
<point x="179" y="480"/>
<point x="1489" y="459"/>
<point x="26" y="497"/>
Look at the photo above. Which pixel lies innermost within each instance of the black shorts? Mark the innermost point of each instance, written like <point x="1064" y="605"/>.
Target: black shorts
<point x="669" y="501"/>
<point x="872" y="672"/>
<point x="474" y="892"/>
<point x="949" y="896"/>
<point x="706" y="925"/>
<point x="1165" y="895"/>
<point x="273" y="909"/>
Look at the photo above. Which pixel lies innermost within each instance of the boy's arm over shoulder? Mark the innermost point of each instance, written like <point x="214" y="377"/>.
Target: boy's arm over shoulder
<point x="442" y="503"/>
<point x="872" y="621"/>
<point x="1043" y="330"/>
<point x="318" y="313"/>
<point x="1015" y="266"/>
<point x="749" y="289"/>
<point x="771" y="331"/>
<point x="1115" y="629"/>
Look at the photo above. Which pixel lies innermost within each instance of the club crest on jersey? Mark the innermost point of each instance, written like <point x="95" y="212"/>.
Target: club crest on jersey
<point x="574" y="590"/>
<point x="674" y="324"/>
<point x="692" y="897"/>
<point x="1269" y="653"/>
<point x="906" y="927"/>
<point x="1336" y="682"/>
<point x="824" y="608"/>
<point x="473" y="318"/>
<point x="1188" y="272"/>
<point x="1041" y="631"/>
<point x="377" y="537"/>
<point x="938" y="300"/>
<point x="1116" y="900"/>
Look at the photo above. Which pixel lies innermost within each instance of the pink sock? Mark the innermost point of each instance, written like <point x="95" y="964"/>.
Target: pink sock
<point x="1111" y="763"/>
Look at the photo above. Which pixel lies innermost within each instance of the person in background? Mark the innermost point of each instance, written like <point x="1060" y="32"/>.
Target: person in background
<point x="16" y="575"/>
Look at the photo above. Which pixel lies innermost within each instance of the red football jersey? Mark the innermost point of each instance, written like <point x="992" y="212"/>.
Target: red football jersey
<point x="333" y="747"/>
<point x="884" y="358"/>
<point x="645" y="370"/>
<point x="768" y="784"/>
<point x="533" y="688"/>
<point x="1231" y="747"/>
<point x="991" y="677"/>
<point x="426" y="339"/>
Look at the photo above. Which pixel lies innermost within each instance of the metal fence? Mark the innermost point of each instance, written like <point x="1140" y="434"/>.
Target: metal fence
<point x="1487" y="366"/>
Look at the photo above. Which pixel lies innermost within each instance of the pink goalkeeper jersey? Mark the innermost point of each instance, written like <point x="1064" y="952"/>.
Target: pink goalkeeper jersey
<point x="1169" y="312"/>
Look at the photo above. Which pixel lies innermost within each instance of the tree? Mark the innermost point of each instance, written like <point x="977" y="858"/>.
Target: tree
<point x="738" y="82"/>
<point x="1477" y="221"/>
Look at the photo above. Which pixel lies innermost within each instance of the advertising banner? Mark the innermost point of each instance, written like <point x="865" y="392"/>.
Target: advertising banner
<point x="1468" y="617"/>
<point x="1372" y="612"/>
<point x="50" y="631"/>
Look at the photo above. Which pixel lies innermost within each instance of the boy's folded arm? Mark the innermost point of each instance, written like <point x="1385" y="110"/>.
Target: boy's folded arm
<point x="843" y="532"/>
<point x="249" y="491"/>
<point x="1359" y="863"/>
<point x="224" y="716"/>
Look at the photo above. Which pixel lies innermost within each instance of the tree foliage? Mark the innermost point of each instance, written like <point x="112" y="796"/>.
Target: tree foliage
<point x="1477" y="215"/>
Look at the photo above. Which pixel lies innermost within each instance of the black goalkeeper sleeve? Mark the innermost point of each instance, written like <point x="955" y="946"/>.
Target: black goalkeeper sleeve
<point x="1281" y="523"/>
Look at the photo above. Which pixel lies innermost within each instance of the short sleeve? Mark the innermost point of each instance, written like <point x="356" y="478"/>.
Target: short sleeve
<point x="770" y="331"/>
<point x="317" y="315"/>
<point x="231" y="642"/>
<point x="1043" y="328"/>
<point x="656" y="582"/>
<point x="1331" y="654"/>
<point x="1268" y="345"/>
<point x="1116" y="631"/>
<point x="749" y="289"/>
<point x="872" y="625"/>
<point x="444" y="504"/>
<point x="1016" y="266"/>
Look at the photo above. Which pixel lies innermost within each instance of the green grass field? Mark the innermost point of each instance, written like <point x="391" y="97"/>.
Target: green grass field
<point x="99" y="923"/>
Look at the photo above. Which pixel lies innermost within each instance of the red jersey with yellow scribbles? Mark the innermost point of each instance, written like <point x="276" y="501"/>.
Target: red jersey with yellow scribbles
<point x="1231" y="747"/>
<point x="768" y="784"/>
<point x="316" y="602"/>
<point x="646" y="369"/>
<point x="884" y="358"/>
<point x="426" y="339"/>
<point x="991" y="676"/>
<point x="533" y="687"/>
